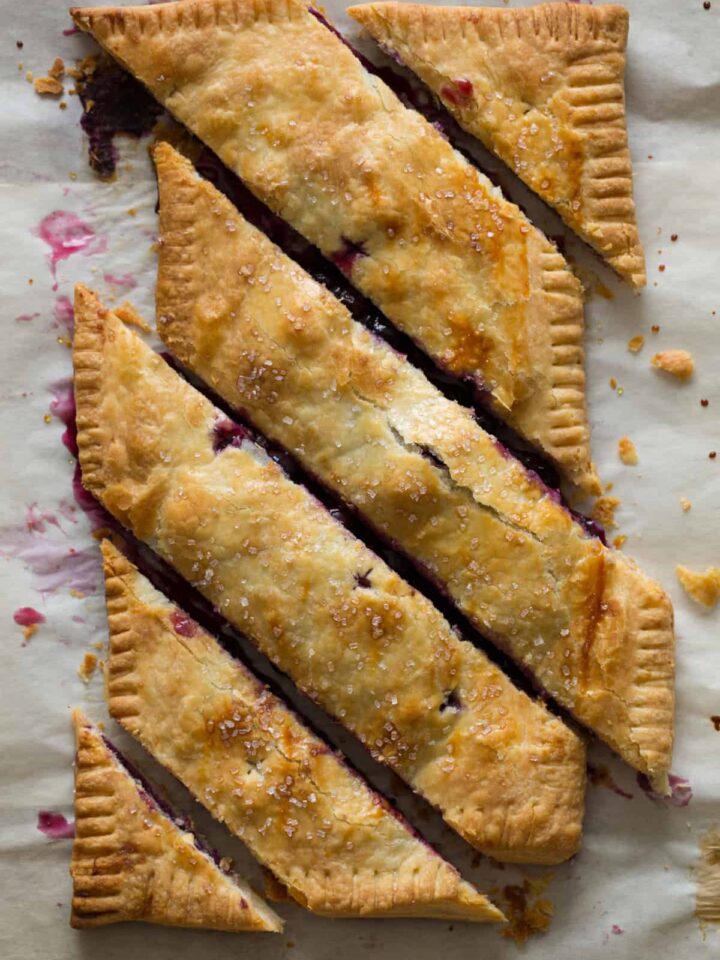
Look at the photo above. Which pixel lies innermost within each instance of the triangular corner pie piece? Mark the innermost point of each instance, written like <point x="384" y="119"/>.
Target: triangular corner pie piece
<point x="580" y="618"/>
<point x="419" y="230"/>
<point x="332" y="842"/>
<point x="543" y="88"/>
<point x="131" y="861"/>
<point x="367" y="647"/>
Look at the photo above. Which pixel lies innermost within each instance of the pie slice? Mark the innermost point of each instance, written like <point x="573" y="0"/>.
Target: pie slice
<point x="543" y="88"/>
<point x="582" y="619"/>
<point x="284" y="103"/>
<point x="131" y="861"/>
<point x="370" y="650"/>
<point x="335" y="844"/>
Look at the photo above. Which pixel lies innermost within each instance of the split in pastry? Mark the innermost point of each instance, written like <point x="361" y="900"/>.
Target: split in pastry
<point x="543" y="88"/>
<point x="131" y="861"/>
<point x="373" y="652"/>
<point x="580" y="618"/>
<point x="420" y="231"/>
<point x="334" y="844"/>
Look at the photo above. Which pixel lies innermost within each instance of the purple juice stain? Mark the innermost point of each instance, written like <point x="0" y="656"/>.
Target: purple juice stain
<point x="113" y="102"/>
<point x="66" y="234"/>
<point x="55" y="826"/>
<point x="458" y="92"/>
<point x="680" y="791"/>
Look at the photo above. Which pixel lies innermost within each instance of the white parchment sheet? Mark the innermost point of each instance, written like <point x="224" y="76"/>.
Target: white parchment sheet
<point x="630" y="892"/>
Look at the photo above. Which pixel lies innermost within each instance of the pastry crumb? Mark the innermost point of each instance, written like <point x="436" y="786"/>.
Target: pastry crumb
<point x="131" y="318"/>
<point x="87" y="667"/>
<point x="620" y="541"/>
<point x="635" y="344"/>
<point x="526" y="917"/>
<point x="57" y="70"/>
<point x="685" y="504"/>
<point x="678" y="363"/>
<point x="48" y="87"/>
<point x="603" y="511"/>
<point x="627" y="451"/>
<point x="703" y="588"/>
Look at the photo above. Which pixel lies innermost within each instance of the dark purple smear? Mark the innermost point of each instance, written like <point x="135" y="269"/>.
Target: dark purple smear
<point x="55" y="826"/>
<point x="680" y="791"/>
<point x="113" y="102"/>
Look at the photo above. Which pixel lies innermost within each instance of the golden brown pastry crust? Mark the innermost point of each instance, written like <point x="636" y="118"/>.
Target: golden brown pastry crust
<point x="424" y="234"/>
<point x="594" y="631"/>
<point x="132" y="862"/>
<point x="505" y="773"/>
<point x="334" y="843"/>
<point x="543" y="88"/>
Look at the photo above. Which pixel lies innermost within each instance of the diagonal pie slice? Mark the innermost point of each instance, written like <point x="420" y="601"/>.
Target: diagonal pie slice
<point x="373" y="652"/>
<point x="582" y="619"/>
<point x="335" y="844"/>
<point x="543" y="88"/>
<point x="286" y="105"/>
<point x="131" y="861"/>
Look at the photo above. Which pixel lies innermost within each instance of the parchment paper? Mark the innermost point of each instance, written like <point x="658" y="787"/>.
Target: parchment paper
<point x="630" y="892"/>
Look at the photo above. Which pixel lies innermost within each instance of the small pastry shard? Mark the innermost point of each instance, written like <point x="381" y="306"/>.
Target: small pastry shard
<point x="678" y="363"/>
<point x="703" y="588"/>
<point x="627" y="452"/>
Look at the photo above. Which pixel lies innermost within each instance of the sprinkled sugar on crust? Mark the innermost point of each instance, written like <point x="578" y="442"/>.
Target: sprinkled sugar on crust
<point x="334" y="843"/>
<point x="505" y="773"/>
<point x="130" y="861"/>
<point x="543" y="88"/>
<point x="425" y="235"/>
<point x="590" y="627"/>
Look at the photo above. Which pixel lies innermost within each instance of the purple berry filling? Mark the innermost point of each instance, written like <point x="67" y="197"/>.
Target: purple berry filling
<point x="458" y="92"/>
<point x="55" y="826"/>
<point x="346" y="257"/>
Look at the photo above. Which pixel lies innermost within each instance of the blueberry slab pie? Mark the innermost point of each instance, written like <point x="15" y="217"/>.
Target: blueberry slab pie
<point x="504" y="772"/>
<point x="590" y="627"/>
<point x="131" y="861"/>
<point x="543" y="88"/>
<point x="274" y="91"/>
<point x="334" y="843"/>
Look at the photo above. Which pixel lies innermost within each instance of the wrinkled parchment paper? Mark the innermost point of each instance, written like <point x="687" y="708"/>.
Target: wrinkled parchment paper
<point x="630" y="892"/>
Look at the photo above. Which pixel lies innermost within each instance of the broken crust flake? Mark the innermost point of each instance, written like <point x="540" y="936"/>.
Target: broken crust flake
<point x="459" y="269"/>
<point x="543" y="88"/>
<point x="130" y="861"/>
<point x="703" y="588"/>
<point x="585" y="623"/>
<point x="627" y="452"/>
<point x="333" y="843"/>
<point x="505" y="773"/>
<point x="678" y="363"/>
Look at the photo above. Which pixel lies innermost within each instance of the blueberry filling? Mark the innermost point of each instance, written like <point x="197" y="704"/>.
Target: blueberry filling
<point x="451" y="701"/>
<point x="346" y="257"/>
<point x="113" y="102"/>
<point x="227" y="433"/>
<point x="363" y="579"/>
<point x="458" y="92"/>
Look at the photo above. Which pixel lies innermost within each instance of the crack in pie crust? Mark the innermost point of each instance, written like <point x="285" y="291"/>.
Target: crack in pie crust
<point x="504" y="772"/>
<point x="582" y="619"/>
<point x="335" y="844"/>
<point x="426" y="236"/>
<point x="542" y="88"/>
<point x="130" y="861"/>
